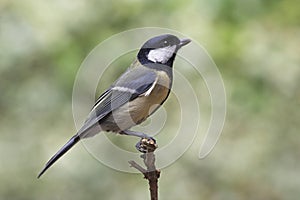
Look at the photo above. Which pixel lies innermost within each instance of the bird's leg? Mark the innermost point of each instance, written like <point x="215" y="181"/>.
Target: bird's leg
<point x="145" y="144"/>
<point x="134" y="133"/>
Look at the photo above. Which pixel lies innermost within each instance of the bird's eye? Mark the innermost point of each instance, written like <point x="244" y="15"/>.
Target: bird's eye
<point x="166" y="43"/>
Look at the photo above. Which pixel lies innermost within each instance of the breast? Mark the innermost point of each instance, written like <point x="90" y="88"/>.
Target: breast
<point x="150" y="102"/>
<point x="142" y="107"/>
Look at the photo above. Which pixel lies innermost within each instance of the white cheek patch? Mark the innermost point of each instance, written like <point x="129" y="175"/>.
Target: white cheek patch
<point x="161" y="55"/>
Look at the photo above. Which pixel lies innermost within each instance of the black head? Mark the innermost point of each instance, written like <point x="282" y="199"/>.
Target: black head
<point x="161" y="49"/>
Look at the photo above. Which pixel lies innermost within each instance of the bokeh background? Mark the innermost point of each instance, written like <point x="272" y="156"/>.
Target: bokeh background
<point x="255" y="44"/>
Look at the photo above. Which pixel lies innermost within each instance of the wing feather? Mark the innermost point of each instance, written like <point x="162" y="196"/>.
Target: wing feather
<point x="134" y="82"/>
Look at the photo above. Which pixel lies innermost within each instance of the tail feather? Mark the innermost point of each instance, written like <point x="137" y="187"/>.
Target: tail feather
<point x="60" y="153"/>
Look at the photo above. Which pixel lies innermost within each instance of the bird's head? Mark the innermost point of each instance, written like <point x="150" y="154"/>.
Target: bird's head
<point x="161" y="49"/>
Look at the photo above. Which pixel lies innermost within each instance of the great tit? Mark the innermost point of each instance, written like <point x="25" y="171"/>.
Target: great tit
<point x="134" y="96"/>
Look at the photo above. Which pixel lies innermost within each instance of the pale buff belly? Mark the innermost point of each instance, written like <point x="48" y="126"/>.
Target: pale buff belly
<point x="137" y="110"/>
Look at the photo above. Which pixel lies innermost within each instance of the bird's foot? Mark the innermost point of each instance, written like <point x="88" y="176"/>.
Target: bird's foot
<point x="146" y="145"/>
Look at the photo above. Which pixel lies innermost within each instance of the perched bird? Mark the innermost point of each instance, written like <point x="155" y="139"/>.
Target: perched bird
<point x="134" y="96"/>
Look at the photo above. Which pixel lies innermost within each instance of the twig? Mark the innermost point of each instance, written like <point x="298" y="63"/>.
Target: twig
<point x="148" y="146"/>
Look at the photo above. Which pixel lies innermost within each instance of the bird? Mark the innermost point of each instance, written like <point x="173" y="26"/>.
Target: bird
<point x="134" y="96"/>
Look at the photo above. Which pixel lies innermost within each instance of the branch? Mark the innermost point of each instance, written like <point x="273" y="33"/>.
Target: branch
<point x="147" y="147"/>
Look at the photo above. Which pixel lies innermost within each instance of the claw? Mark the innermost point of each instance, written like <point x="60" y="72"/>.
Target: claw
<point x="146" y="145"/>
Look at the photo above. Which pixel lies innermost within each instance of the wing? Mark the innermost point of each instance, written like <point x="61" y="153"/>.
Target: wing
<point x="130" y="85"/>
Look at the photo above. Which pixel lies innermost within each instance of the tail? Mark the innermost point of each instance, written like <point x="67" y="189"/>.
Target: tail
<point x="60" y="153"/>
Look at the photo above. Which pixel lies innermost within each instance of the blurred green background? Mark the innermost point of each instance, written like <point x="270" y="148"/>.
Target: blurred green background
<point x="255" y="44"/>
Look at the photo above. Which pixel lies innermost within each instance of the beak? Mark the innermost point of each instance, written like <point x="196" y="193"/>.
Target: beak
<point x="184" y="42"/>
